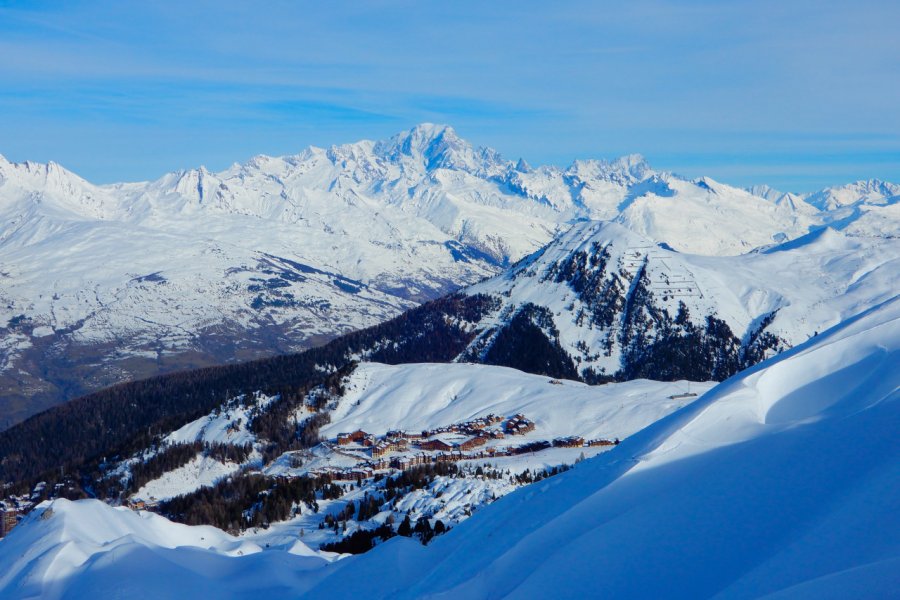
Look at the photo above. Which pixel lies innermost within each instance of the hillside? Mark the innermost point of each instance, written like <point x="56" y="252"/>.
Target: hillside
<point x="605" y="303"/>
<point x="411" y="419"/>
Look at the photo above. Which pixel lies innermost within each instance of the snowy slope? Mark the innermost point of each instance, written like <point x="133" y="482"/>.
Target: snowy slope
<point x="780" y="482"/>
<point x="200" y="471"/>
<point x="415" y="397"/>
<point x="99" y="284"/>
<point x="75" y="549"/>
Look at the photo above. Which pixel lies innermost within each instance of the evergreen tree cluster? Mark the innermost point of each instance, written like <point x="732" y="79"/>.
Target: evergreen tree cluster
<point x="419" y="477"/>
<point x="168" y="458"/>
<point x="235" y="453"/>
<point x="368" y="507"/>
<point x="760" y="342"/>
<point x="283" y="432"/>
<point x="247" y="500"/>
<point x="361" y="540"/>
<point x="524" y="344"/>
<point x="163" y="459"/>
<point x="656" y="346"/>
<point x="602" y="293"/>
<point x="526" y="477"/>
<point x="422" y="529"/>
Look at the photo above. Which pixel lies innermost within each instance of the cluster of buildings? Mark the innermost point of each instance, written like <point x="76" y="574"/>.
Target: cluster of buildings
<point x="480" y="431"/>
<point x="356" y="437"/>
<point x="444" y="444"/>
<point x="9" y="517"/>
<point x="139" y="504"/>
<point x="572" y="441"/>
<point x="472" y="427"/>
<point x="338" y="474"/>
<point x="602" y="442"/>
<point x="13" y="508"/>
<point x="519" y="425"/>
<point x="382" y="447"/>
<point x="407" y="461"/>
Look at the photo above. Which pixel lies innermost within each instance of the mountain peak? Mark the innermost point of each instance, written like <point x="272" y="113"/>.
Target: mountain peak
<point x="424" y="140"/>
<point x="626" y="169"/>
<point x="631" y="161"/>
<point x="867" y="191"/>
<point x="431" y="131"/>
<point x="437" y="147"/>
<point x="522" y="166"/>
<point x="765" y="191"/>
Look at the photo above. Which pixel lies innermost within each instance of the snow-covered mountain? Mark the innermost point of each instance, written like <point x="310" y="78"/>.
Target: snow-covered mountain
<point x="100" y="284"/>
<point x="606" y="302"/>
<point x="779" y="482"/>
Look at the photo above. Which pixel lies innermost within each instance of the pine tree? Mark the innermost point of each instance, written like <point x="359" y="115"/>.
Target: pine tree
<point x="405" y="528"/>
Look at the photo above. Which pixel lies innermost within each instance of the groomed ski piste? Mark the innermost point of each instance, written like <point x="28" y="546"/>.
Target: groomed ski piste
<point x="780" y="482"/>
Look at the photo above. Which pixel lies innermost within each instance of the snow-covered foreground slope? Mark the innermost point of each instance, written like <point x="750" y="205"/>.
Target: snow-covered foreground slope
<point x="88" y="549"/>
<point x="781" y="482"/>
<point x="100" y="284"/>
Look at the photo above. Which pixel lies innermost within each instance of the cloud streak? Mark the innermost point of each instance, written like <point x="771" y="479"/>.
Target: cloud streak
<point x="545" y="81"/>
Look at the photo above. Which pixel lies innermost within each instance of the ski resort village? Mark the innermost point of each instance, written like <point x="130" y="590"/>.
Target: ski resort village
<point x="442" y="442"/>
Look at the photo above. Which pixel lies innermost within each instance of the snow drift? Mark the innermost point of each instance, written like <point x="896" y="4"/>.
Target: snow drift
<point x="87" y="549"/>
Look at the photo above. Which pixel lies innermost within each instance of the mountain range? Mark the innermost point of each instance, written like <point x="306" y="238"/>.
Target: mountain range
<point x="105" y="283"/>
<point x="488" y="379"/>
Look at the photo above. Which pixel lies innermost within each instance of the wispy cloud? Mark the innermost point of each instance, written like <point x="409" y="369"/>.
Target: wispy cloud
<point x="688" y="82"/>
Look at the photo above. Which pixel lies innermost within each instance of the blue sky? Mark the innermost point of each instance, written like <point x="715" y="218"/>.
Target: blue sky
<point x="795" y="94"/>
